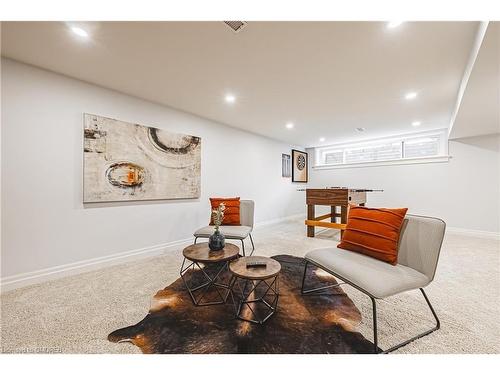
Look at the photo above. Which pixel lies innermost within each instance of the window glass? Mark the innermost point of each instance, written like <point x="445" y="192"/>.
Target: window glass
<point x="412" y="146"/>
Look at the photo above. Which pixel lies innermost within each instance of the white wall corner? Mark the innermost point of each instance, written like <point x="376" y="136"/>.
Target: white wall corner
<point x="481" y="32"/>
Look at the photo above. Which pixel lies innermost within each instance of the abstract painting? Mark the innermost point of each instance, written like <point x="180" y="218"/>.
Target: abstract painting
<point x="128" y="162"/>
<point x="299" y="169"/>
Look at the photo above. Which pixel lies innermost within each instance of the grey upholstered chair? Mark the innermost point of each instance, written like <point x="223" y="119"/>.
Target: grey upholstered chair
<point x="234" y="232"/>
<point x="419" y="247"/>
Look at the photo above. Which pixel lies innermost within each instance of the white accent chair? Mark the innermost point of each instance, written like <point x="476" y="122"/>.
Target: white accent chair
<point x="234" y="232"/>
<point x="419" y="247"/>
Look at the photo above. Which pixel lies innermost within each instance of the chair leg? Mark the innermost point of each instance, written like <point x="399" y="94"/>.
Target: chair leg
<point x="253" y="246"/>
<point x="303" y="291"/>
<point x="395" y="347"/>
<point x="438" y="323"/>
<point x="304" y="278"/>
<point x="243" y="247"/>
<point x="375" y="331"/>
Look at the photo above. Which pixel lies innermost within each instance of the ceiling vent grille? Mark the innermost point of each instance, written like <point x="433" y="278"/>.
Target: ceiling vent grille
<point x="236" y="26"/>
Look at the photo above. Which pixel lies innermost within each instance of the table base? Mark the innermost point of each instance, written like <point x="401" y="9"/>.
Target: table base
<point x="261" y="293"/>
<point x="211" y="283"/>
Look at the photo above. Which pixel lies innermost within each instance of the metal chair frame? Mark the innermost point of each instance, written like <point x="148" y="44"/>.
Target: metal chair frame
<point x="376" y="349"/>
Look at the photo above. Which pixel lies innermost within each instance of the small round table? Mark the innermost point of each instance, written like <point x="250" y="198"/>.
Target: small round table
<point x="214" y="264"/>
<point x="255" y="288"/>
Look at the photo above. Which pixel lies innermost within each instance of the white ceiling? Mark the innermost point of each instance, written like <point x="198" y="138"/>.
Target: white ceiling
<point x="479" y="111"/>
<point x="328" y="78"/>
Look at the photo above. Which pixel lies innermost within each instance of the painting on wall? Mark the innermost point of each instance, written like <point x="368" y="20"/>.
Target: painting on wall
<point x="299" y="167"/>
<point x="128" y="162"/>
<point x="285" y="165"/>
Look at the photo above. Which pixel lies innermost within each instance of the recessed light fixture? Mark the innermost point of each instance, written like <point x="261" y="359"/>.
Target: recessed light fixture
<point x="230" y="98"/>
<point x="411" y="95"/>
<point x="80" y="32"/>
<point x="289" y="125"/>
<point x="322" y="139"/>
<point x="393" y="24"/>
<point x="416" y="123"/>
<point x="360" y="130"/>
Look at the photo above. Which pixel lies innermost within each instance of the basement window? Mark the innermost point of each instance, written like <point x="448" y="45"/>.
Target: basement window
<point x="422" y="147"/>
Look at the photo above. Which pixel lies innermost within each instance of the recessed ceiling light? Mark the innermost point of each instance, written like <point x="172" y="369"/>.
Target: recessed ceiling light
<point x="79" y="31"/>
<point x="289" y="125"/>
<point x="359" y="130"/>
<point x="393" y="24"/>
<point x="411" y="95"/>
<point x="416" y="123"/>
<point x="322" y="139"/>
<point x="230" y="98"/>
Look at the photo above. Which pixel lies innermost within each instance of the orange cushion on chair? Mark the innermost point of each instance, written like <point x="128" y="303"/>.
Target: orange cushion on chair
<point x="374" y="232"/>
<point x="232" y="212"/>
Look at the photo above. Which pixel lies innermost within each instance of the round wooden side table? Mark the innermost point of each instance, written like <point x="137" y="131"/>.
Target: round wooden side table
<point x="212" y="265"/>
<point x="255" y="290"/>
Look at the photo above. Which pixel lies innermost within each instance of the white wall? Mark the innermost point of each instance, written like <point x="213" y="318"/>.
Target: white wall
<point x="45" y="224"/>
<point x="464" y="191"/>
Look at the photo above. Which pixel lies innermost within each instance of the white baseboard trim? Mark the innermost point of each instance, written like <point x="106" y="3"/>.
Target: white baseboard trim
<point x="46" y="274"/>
<point x="52" y="273"/>
<point x="473" y="233"/>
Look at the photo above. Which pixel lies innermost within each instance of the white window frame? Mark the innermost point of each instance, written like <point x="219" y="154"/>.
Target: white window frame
<point x="442" y="156"/>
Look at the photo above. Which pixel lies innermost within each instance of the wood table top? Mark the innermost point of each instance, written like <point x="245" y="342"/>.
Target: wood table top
<point x="239" y="268"/>
<point x="201" y="253"/>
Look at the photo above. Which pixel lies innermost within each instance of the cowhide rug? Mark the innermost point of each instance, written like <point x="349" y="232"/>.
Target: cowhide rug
<point x="323" y="323"/>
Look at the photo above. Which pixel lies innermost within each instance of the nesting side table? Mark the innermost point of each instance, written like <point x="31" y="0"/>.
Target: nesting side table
<point x="211" y="290"/>
<point x="255" y="291"/>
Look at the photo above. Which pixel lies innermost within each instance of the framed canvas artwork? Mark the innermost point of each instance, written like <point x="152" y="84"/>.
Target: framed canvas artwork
<point x="299" y="166"/>
<point x="285" y="165"/>
<point x="126" y="162"/>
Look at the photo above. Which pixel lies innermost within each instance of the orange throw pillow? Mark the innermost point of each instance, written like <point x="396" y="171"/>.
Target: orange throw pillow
<point x="232" y="212"/>
<point x="374" y="232"/>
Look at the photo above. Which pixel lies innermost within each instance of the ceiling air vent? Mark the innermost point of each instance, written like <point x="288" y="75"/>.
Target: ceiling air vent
<point x="236" y="26"/>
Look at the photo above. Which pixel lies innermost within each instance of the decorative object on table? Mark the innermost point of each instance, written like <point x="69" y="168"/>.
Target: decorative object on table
<point x="234" y="232"/>
<point x="256" y="263"/>
<point x="324" y="323"/>
<point x="217" y="240"/>
<point x="255" y="288"/>
<point x="300" y="166"/>
<point x="212" y="286"/>
<point x="127" y="162"/>
<point x="285" y="165"/>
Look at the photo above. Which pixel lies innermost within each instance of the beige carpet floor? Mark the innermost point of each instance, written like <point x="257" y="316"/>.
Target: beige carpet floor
<point x="75" y="314"/>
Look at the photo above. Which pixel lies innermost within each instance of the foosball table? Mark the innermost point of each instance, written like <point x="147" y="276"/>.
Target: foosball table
<point x="339" y="200"/>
